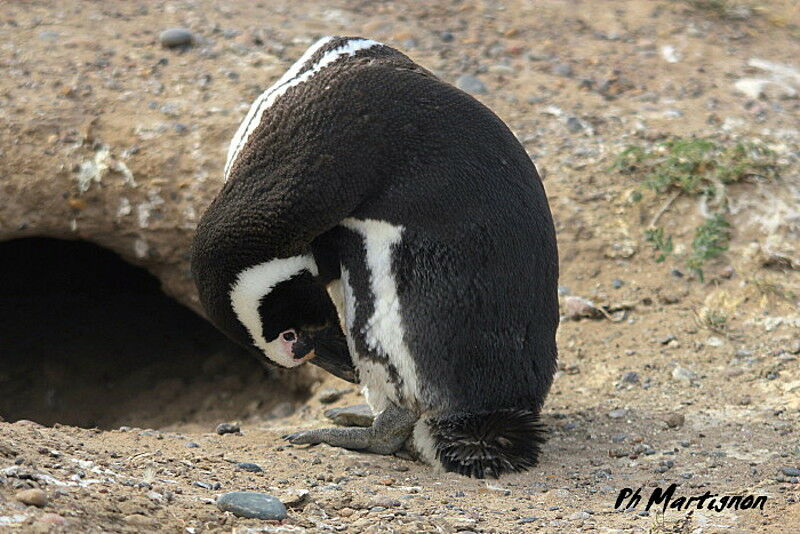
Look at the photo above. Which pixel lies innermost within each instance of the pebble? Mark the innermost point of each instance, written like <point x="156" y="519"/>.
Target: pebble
<point x="207" y="485"/>
<point x="175" y="37"/>
<point x="227" y="428"/>
<point x="675" y="420"/>
<point x="631" y="377"/>
<point x="252" y="505"/>
<point x="562" y="69"/>
<point x="470" y="84"/>
<point x="32" y="497"/>
<point x="358" y="415"/>
<point x="332" y="395"/>
<point x="683" y="374"/>
<point x="245" y="466"/>
<point x="618" y="414"/>
<point x="578" y="516"/>
<point x="578" y="307"/>
<point x="616" y="283"/>
<point x="192" y="445"/>
<point x="791" y="471"/>
<point x="574" y="124"/>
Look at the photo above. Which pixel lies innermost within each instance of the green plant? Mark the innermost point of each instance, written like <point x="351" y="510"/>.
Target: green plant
<point x="655" y="237"/>
<point x="695" y="167"/>
<point x="710" y="240"/>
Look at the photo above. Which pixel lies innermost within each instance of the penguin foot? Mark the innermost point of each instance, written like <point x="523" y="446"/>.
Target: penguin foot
<point x="388" y="433"/>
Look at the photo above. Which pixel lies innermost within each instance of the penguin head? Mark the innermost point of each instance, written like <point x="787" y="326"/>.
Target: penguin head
<point x="276" y="309"/>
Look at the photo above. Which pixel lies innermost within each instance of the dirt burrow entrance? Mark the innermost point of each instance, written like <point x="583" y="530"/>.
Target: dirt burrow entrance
<point x="88" y="340"/>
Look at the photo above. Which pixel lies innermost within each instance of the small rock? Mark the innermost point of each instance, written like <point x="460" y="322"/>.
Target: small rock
<point x="470" y="84"/>
<point x="562" y="69"/>
<point x="574" y="124"/>
<point x="346" y="512"/>
<point x="383" y="502"/>
<point x="580" y="516"/>
<point x="631" y="377"/>
<point x="32" y="497"/>
<point x="791" y="471"/>
<point x="245" y="466"/>
<point x="618" y="414"/>
<point x="175" y="37"/>
<point x="358" y="415"/>
<point x="563" y="291"/>
<point x="446" y="37"/>
<point x="294" y="498"/>
<point x="227" y="428"/>
<point x="332" y="395"/>
<point x="675" y="420"/>
<point x="207" y="485"/>
<point x="251" y="504"/>
<point x="192" y="445"/>
<point x="616" y="283"/>
<point x="683" y="374"/>
<point x="669" y="54"/>
<point x="578" y="307"/>
<point x="755" y="88"/>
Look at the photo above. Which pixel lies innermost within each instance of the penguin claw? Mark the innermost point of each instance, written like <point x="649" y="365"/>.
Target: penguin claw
<point x="303" y="437"/>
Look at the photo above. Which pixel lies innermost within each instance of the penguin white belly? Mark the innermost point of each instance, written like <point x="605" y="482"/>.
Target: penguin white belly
<point x="383" y="332"/>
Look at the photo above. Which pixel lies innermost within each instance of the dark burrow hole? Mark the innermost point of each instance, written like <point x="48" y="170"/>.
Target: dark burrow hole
<point x="89" y="340"/>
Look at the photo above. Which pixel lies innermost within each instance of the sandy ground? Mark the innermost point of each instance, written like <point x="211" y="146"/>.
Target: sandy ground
<point x="651" y="396"/>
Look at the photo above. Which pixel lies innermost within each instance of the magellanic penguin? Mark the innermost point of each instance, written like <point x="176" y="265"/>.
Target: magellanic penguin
<point x="388" y="227"/>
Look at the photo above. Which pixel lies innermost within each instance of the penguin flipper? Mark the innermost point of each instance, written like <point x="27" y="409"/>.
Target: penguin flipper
<point x="391" y="429"/>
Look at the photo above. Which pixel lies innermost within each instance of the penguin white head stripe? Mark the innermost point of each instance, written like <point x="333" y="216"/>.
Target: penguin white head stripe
<point x="296" y="75"/>
<point x="255" y="283"/>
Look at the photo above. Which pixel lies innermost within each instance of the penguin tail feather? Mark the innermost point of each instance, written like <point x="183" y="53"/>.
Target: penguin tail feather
<point x="487" y="444"/>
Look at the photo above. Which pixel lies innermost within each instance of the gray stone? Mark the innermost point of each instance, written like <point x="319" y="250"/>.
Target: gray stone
<point x="471" y="84"/>
<point x="245" y="466"/>
<point x="791" y="471"/>
<point x="227" y="428"/>
<point x="358" y="415"/>
<point x="618" y="414"/>
<point x="175" y="37"/>
<point x="252" y="505"/>
<point x="631" y="377"/>
<point x="562" y="69"/>
<point x="328" y="396"/>
<point x="574" y="124"/>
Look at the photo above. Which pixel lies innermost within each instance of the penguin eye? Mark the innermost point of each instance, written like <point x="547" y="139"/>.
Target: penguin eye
<point x="289" y="335"/>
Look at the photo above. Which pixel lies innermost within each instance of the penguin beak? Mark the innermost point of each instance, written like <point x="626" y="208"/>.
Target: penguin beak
<point x="329" y="350"/>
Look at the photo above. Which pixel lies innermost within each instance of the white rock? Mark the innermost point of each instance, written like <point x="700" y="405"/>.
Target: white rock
<point x="684" y="374"/>
<point x="669" y="54"/>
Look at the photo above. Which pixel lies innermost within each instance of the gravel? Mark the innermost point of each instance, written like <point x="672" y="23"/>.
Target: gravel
<point x="252" y="505"/>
